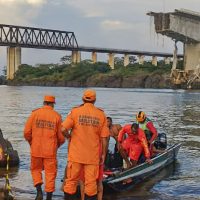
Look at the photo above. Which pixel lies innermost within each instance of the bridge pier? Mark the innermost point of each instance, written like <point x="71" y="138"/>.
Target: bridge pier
<point x="141" y="59"/>
<point x="111" y="60"/>
<point x="167" y="60"/>
<point x="76" y="57"/>
<point x="126" y="60"/>
<point x="191" y="56"/>
<point x="154" y="61"/>
<point x="13" y="61"/>
<point x="94" y="57"/>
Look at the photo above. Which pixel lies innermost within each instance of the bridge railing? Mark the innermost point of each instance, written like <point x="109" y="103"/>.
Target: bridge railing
<point x="30" y="37"/>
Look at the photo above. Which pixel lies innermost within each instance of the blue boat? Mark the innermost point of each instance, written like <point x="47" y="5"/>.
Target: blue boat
<point x="126" y="180"/>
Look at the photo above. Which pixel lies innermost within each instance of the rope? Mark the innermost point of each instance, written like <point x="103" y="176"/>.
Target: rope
<point x="8" y="190"/>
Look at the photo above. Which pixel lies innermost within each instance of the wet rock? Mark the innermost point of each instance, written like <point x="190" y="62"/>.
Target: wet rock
<point x="6" y="148"/>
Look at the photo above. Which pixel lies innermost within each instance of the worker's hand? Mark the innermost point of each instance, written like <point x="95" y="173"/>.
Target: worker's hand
<point x="149" y="161"/>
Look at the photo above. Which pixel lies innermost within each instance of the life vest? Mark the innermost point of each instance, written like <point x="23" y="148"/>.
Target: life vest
<point x="143" y="126"/>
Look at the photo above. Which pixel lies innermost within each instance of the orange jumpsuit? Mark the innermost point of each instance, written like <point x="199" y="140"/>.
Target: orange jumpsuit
<point x="88" y="125"/>
<point x="135" y="143"/>
<point x="43" y="132"/>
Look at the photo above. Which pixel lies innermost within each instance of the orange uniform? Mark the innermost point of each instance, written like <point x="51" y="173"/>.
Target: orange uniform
<point x="43" y="132"/>
<point x="135" y="143"/>
<point x="88" y="125"/>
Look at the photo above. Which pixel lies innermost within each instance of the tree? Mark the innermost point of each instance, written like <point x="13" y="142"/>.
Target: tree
<point x="5" y="71"/>
<point x="118" y="62"/>
<point x="66" y="59"/>
<point x="132" y="59"/>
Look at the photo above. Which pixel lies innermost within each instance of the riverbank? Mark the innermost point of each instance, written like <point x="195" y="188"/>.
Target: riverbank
<point x="155" y="80"/>
<point x="86" y="74"/>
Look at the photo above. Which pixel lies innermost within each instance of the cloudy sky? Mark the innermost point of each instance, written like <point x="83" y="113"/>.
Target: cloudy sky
<point x="121" y="24"/>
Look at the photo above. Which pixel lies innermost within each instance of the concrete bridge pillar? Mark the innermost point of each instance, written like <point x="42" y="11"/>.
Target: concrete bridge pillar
<point x="76" y="56"/>
<point x="167" y="60"/>
<point x="141" y="60"/>
<point x="13" y="61"/>
<point x="126" y="60"/>
<point x="111" y="60"/>
<point x="191" y="56"/>
<point x="154" y="61"/>
<point x="94" y="57"/>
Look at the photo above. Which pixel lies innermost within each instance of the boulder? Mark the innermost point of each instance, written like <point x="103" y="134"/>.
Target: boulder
<point x="7" y="149"/>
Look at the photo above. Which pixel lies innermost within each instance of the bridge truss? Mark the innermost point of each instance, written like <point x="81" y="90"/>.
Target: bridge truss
<point x="29" y="37"/>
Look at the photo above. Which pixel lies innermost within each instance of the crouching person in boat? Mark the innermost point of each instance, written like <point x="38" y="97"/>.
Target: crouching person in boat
<point x="150" y="131"/>
<point x="147" y="126"/>
<point x="133" y="146"/>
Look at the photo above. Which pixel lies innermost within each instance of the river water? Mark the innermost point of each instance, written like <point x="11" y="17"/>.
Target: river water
<point x="176" y="112"/>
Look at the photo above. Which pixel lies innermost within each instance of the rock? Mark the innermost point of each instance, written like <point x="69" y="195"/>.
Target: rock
<point x="7" y="148"/>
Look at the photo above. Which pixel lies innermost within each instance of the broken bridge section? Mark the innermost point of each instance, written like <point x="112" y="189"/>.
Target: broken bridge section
<point x="184" y="26"/>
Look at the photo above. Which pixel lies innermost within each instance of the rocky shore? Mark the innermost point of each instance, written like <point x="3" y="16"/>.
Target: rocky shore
<point x="112" y="81"/>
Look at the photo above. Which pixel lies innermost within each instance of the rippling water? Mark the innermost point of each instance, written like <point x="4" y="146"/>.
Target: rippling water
<point x="176" y="112"/>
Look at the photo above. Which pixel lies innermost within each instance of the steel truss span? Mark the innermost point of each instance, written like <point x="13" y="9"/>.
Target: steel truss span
<point x="29" y="37"/>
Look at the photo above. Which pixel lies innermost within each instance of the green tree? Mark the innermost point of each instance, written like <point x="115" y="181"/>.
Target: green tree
<point x="66" y="59"/>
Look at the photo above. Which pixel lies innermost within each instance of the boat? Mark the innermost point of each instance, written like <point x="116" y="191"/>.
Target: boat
<point x="7" y="154"/>
<point x="120" y="180"/>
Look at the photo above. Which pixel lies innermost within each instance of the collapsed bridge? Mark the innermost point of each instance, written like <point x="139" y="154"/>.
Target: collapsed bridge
<point x="184" y="26"/>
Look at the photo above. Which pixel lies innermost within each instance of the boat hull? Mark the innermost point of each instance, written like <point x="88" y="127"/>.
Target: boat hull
<point x="128" y="179"/>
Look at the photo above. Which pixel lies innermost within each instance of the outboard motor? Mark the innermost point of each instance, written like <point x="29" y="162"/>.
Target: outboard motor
<point x="161" y="141"/>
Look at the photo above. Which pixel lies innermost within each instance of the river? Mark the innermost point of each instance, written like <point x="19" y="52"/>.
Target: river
<point x="176" y="112"/>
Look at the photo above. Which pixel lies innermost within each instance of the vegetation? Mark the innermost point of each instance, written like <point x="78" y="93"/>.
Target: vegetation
<point x="3" y="77"/>
<point x="85" y="71"/>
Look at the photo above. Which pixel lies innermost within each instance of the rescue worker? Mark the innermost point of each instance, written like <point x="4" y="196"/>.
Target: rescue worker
<point x="113" y="158"/>
<point x="43" y="133"/>
<point x="88" y="131"/>
<point x="113" y="128"/>
<point x="99" y="182"/>
<point x="147" y="126"/>
<point x="133" y="145"/>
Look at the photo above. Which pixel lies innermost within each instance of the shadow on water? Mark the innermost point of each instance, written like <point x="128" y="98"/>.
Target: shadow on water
<point x="143" y="191"/>
<point x="13" y="172"/>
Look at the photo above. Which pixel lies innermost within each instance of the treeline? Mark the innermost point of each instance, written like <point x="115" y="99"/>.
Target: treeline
<point x="83" y="70"/>
<point x="87" y="74"/>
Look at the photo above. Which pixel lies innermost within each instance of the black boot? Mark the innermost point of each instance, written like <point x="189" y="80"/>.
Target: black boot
<point x="39" y="192"/>
<point x="69" y="196"/>
<point x="49" y="195"/>
<point x="94" y="197"/>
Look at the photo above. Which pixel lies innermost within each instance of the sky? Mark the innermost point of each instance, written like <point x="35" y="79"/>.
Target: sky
<point x="121" y="24"/>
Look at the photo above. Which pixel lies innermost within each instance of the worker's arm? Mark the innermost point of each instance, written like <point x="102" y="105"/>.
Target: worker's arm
<point x="153" y="130"/>
<point x="67" y="125"/>
<point x="60" y="136"/>
<point x="121" y="135"/>
<point x="28" y="129"/>
<point x="104" y="136"/>
<point x="144" y="144"/>
<point x="104" y="142"/>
